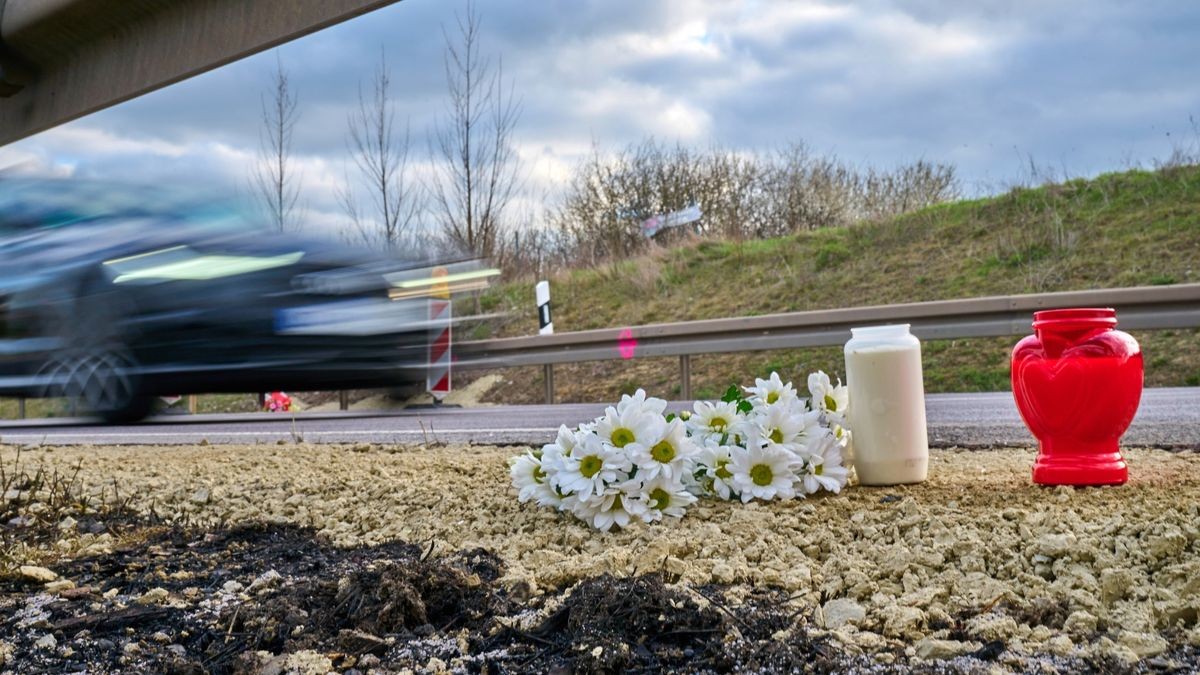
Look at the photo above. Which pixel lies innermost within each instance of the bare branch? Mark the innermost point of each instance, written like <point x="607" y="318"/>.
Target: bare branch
<point x="380" y="156"/>
<point x="272" y="177"/>
<point x="478" y="172"/>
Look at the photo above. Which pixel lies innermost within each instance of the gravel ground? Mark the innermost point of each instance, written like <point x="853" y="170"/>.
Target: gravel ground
<point x="976" y="557"/>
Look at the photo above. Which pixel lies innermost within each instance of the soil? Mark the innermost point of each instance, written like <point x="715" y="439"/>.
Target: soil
<point x="974" y="570"/>
<point x="277" y="598"/>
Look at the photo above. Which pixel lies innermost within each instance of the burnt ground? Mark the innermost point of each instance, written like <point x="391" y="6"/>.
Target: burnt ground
<point x="274" y="598"/>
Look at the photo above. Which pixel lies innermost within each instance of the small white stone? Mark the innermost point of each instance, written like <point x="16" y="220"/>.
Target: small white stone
<point x="842" y="611"/>
<point x="154" y="596"/>
<point x="1080" y="622"/>
<point x="1143" y="644"/>
<point x="35" y="573"/>
<point x="266" y="580"/>
<point x="941" y="649"/>
<point x="46" y="642"/>
<point x="1056" y="545"/>
<point x="59" y="586"/>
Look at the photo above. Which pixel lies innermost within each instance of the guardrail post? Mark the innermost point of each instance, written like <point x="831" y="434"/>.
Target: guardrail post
<point x="21" y="407"/>
<point x="191" y="404"/>
<point x="548" y="380"/>
<point x="685" y="377"/>
<point x="343" y="400"/>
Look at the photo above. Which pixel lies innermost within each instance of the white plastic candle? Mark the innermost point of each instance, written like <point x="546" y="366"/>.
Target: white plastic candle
<point x="887" y="406"/>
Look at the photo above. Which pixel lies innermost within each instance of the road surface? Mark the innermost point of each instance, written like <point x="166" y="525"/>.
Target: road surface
<point x="1167" y="418"/>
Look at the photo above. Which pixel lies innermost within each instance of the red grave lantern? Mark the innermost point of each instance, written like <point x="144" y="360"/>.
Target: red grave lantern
<point x="1077" y="382"/>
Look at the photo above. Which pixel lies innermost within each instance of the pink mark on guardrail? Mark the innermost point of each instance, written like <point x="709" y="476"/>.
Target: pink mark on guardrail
<point x="626" y="344"/>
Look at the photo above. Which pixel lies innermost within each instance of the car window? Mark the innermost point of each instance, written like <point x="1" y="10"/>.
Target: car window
<point x="27" y="205"/>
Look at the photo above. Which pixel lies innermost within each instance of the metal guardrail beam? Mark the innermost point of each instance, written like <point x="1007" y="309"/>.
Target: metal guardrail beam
<point x="62" y="59"/>
<point x="1152" y="307"/>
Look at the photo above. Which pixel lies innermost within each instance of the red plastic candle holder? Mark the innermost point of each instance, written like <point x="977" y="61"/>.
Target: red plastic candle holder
<point x="1077" y="382"/>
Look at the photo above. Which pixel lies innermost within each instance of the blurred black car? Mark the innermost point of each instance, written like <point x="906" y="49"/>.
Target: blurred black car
<point x="113" y="295"/>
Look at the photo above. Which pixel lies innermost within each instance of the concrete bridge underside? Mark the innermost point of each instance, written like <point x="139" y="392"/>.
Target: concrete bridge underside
<point x="62" y="59"/>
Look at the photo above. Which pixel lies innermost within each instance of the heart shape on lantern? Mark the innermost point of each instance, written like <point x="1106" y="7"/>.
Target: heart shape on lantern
<point x="1090" y="392"/>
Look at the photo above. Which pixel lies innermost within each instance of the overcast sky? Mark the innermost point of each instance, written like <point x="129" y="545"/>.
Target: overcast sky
<point x="1080" y="86"/>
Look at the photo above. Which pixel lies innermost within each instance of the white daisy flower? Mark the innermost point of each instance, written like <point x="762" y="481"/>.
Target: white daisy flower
<point x="612" y="513"/>
<point x="551" y="454"/>
<point x="640" y="402"/>
<point x="845" y="440"/>
<point x="824" y="468"/>
<point x="783" y="424"/>
<point x="591" y="465"/>
<point x="631" y="427"/>
<point x="827" y="398"/>
<point x="713" y="462"/>
<point x="714" y="419"/>
<point x="662" y="496"/>
<point x="762" y="471"/>
<point x="531" y="481"/>
<point x="771" y="391"/>
<point x="604" y="512"/>
<point x="669" y="457"/>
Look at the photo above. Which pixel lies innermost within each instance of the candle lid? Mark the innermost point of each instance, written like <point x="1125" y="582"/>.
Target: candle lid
<point x="889" y="330"/>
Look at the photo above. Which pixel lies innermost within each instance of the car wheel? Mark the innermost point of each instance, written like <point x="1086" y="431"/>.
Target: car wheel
<point x="103" y="379"/>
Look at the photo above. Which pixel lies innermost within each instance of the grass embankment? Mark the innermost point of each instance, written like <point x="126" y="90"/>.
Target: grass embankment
<point x="1125" y="229"/>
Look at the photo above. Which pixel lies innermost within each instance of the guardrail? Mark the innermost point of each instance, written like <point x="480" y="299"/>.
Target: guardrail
<point x="1140" y="308"/>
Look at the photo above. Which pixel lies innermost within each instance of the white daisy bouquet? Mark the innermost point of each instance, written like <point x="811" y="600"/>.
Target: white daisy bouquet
<point x="637" y="462"/>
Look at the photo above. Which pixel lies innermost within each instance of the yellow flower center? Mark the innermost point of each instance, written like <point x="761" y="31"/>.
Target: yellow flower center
<point x="776" y="436"/>
<point x="830" y="404"/>
<point x="661" y="498"/>
<point x="718" y="423"/>
<point x="761" y="474"/>
<point x="539" y="476"/>
<point x="590" y="466"/>
<point x="723" y="470"/>
<point x="819" y="470"/>
<point x="622" y="437"/>
<point x="662" y="452"/>
<point x="772" y="397"/>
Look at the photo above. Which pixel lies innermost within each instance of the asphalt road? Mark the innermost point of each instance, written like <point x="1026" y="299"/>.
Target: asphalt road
<point x="1167" y="418"/>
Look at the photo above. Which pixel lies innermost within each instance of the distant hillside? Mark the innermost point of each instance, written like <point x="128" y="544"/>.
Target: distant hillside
<point x="1121" y="229"/>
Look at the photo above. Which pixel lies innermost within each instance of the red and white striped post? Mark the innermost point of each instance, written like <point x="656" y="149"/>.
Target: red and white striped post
<point x="438" y="380"/>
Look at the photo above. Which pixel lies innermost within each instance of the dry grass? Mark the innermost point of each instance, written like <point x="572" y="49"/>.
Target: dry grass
<point x="1126" y="229"/>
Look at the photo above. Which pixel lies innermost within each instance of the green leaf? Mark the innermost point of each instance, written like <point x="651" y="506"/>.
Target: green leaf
<point x="745" y="406"/>
<point x="732" y="394"/>
<point x="670" y="417"/>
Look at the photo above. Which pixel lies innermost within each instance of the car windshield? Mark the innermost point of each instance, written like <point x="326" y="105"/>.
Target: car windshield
<point x="27" y="205"/>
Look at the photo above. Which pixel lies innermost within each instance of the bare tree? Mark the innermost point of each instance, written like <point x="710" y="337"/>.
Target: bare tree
<point x="380" y="157"/>
<point x="477" y="171"/>
<point x="273" y="178"/>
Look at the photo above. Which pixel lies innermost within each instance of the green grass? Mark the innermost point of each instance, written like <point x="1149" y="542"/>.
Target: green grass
<point x="1121" y="229"/>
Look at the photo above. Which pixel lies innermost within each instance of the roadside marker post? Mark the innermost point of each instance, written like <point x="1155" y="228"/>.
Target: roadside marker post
<point x="545" y="322"/>
<point x="437" y="381"/>
<point x="541" y="293"/>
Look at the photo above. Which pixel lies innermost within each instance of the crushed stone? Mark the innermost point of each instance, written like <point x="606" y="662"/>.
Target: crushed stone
<point x="976" y="556"/>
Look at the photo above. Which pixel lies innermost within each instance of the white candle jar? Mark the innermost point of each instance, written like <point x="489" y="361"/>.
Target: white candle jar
<point x="887" y="406"/>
